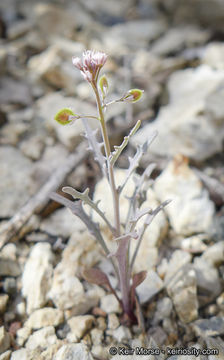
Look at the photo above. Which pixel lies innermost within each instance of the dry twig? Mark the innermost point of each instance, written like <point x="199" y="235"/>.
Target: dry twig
<point x="41" y="198"/>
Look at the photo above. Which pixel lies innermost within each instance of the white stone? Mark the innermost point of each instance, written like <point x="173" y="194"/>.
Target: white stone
<point x="66" y="290"/>
<point x="191" y="211"/>
<point x="43" y="338"/>
<point x="37" y="274"/>
<point x="88" y="301"/>
<point x="214" y="55"/>
<point x="149" y="287"/>
<point x="14" y="190"/>
<point x="214" y="254"/>
<point x="208" y="280"/>
<point x="97" y="336"/>
<point x="73" y="351"/>
<point x="22" y="335"/>
<point x="4" y="340"/>
<point x="178" y="259"/>
<point x="121" y="333"/>
<point x="9" y="251"/>
<point x="113" y="321"/>
<point x="62" y="223"/>
<point x="3" y="302"/>
<point x="45" y="317"/>
<point x="5" y="355"/>
<point x="179" y="37"/>
<point x="21" y="354"/>
<point x="183" y="290"/>
<point x="131" y="34"/>
<point x="109" y="304"/>
<point x="184" y="125"/>
<point x="79" y="325"/>
<point x="164" y="308"/>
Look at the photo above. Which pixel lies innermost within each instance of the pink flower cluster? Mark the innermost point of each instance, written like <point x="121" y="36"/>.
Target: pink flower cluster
<point x="90" y="64"/>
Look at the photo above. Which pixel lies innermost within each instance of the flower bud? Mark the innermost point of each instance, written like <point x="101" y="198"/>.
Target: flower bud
<point x="103" y="85"/>
<point x="65" y="116"/>
<point x="133" y="95"/>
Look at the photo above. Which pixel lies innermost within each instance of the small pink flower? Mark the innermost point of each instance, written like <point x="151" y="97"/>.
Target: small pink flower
<point x="77" y="62"/>
<point x="91" y="63"/>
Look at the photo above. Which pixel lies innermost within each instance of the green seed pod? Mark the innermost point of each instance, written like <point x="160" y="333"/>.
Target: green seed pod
<point x="133" y="95"/>
<point x="65" y="116"/>
<point x="103" y="85"/>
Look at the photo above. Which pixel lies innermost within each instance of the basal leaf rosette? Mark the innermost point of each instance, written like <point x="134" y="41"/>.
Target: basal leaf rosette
<point x="65" y="116"/>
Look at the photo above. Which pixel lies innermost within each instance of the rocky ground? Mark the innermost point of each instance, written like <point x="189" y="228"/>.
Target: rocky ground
<point x="173" y="50"/>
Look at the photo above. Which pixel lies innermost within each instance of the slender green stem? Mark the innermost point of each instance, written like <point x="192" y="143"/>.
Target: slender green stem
<point x="115" y="195"/>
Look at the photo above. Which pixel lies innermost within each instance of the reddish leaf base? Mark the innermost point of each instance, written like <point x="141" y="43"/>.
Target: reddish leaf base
<point x="128" y="319"/>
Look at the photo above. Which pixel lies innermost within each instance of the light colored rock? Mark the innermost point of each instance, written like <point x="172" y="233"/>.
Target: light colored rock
<point x="9" y="251"/>
<point x="51" y="351"/>
<point x="194" y="244"/>
<point x="79" y="325"/>
<point x="18" y="29"/>
<point x="49" y="105"/>
<point x="14" y="91"/>
<point x="109" y="304"/>
<point x="164" y="308"/>
<point x="66" y="291"/>
<point x="37" y="276"/>
<point x="113" y="321"/>
<point x="50" y="20"/>
<point x="45" y="317"/>
<point x="4" y="340"/>
<point x="33" y="147"/>
<point x="149" y="287"/>
<point x="220" y="301"/>
<point x="214" y="254"/>
<point x="208" y="281"/>
<point x="62" y="223"/>
<point x="50" y="67"/>
<point x="215" y="343"/>
<point x="169" y="268"/>
<point x="9" y="267"/>
<point x="175" y="39"/>
<point x="22" y="335"/>
<point x="99" y="351"/>
<point x="214" y="55"/>
<point x="183" y="291"/>
<point x="131" y="34"/>
<point x="43" y="338"/>
<point x="14" y="190"/>
<point x="21" y="354"/>
<point x="97" y="336"/>
<point x="89" y="300"/>
<point x="73" y="351"/>
<point x="121" y="333"/>
<point x="6" y="355"/>
<point x="195" y="11"/>
<point x="191" y="210"/>
<point x="3" y="302"/>
<point x="184" y="125"/>
<point x="213" y="326"/>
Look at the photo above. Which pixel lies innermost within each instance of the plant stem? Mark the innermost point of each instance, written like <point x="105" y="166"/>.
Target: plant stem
<point x="115" y="195"/>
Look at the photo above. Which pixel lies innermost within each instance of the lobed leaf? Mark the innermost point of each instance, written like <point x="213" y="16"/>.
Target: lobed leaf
<point x="134" y="162"/>
<point x="118" y="149"/>
<point x="84" y="196"/>
<point x="95" y="146"/>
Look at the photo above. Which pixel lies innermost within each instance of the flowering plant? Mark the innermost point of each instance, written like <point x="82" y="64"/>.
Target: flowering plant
<point x="90" y="67"/>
